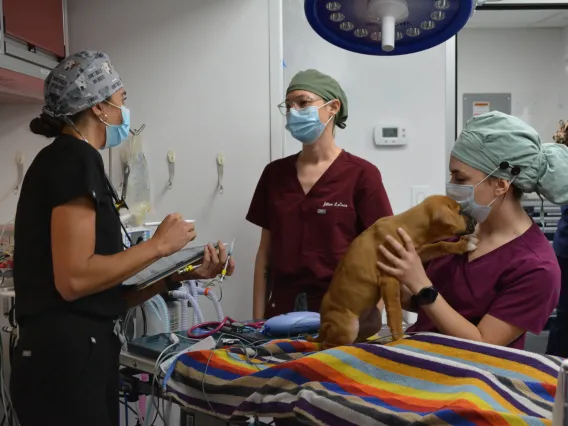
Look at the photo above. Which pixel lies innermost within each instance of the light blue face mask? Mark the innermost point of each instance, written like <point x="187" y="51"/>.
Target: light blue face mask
<point x="465" y="196"/>
<point x="116" y="134"/>
<point x="305" y="124"/>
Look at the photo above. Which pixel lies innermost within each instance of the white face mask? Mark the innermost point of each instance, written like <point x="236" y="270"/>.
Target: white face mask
<point x="465" y="196"/>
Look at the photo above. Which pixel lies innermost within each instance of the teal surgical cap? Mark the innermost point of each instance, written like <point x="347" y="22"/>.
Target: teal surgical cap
<point x="491" y="139"/>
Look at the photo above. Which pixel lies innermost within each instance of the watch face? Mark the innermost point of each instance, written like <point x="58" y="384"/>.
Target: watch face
<point x="427" y="295"/>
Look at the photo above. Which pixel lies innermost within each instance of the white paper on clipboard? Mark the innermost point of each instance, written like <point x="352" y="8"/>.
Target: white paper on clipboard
<point x="481" y="108"/>
<point x="164" y="264"/>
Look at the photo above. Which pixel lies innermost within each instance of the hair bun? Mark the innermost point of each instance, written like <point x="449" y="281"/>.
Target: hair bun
<point x="47" y="126"/>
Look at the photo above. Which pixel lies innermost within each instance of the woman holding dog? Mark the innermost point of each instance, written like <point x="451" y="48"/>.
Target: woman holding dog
<point x="510" y="283"/>
<point x="313" y="204"/>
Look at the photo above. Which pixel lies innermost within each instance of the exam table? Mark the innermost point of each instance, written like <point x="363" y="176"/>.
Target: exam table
<point x="426" y="378"/>
<point x="133" y="365"/>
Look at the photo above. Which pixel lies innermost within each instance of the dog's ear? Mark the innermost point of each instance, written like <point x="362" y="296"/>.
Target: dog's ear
<point x="445" y="218"/>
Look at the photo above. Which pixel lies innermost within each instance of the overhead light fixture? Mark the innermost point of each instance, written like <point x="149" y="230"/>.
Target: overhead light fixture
<point x="388" y="27"/>
<point x="482" y="2"/>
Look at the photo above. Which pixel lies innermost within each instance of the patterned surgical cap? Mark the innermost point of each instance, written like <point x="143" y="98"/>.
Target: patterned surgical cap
<point x="79" y="82"/>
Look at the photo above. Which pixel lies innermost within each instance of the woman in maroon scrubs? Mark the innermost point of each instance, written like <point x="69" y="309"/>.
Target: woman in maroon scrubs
<point x="310" y="205"/>
<point x="510" y="283"/>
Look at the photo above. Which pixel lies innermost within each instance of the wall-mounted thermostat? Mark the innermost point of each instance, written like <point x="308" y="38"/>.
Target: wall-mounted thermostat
<point x="390" y="136"/>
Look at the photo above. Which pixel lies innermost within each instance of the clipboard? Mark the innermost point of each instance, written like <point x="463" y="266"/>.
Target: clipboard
<point x="166" y="266"/>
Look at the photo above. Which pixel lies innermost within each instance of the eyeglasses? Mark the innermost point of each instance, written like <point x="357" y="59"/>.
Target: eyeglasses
<point x="301" y="103"/>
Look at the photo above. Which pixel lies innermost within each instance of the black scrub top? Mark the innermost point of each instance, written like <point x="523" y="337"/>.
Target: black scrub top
<point x="67" y="169"/>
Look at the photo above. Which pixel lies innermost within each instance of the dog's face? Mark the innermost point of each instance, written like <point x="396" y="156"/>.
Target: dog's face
<point x="446" y="217"/>
<point x="69" y="65"/>
<point x="81" y="83"/>
<point x="105" y="66"/>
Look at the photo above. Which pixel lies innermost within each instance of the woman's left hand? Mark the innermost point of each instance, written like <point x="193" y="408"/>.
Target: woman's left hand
<point x="213" y="263"/>
<point x="406" y="265"/>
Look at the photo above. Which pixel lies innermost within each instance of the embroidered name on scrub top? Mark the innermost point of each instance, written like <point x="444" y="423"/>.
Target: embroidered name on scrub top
<point x="326" y="204"/>
<point x="309" y="233"/>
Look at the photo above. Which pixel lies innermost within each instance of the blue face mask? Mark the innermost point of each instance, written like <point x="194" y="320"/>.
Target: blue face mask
<point x="465" y="196"/>
<point x="116" y="134"/>
<point x="305" y="124"/>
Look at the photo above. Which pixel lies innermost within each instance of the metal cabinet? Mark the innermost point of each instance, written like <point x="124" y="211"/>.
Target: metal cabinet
<point x="37" y="23"/>
<point x="549" y="220"/>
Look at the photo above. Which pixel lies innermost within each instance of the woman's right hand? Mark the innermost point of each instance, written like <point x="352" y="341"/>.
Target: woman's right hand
<point x="173" y="234"/>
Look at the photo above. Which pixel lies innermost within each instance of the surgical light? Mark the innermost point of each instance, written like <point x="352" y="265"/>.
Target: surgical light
<point x="388" y="27"/>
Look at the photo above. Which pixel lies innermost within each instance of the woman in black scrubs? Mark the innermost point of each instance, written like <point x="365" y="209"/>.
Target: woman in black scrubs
<point x="69" y="258"/>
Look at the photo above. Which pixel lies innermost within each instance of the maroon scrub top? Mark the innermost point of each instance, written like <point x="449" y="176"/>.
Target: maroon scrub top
<point x="518" y="283"/>
<point x="311" y="232"/>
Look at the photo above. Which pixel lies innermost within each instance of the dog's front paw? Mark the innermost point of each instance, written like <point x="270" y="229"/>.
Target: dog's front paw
<point x="472" y="242"/>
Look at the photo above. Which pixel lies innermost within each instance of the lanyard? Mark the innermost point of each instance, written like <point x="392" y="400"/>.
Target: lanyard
<point x="119" y="204"/>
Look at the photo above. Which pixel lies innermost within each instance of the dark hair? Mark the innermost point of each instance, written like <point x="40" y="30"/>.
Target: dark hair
<point x="46" y="125"/>
<point x="561" y="135"/>
<point x="51" y="127"/>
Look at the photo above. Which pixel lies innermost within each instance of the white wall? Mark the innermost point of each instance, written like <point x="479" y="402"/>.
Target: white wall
<point x="528" y="63"/>
<point x="563" y="87"/>
<point x="407" y="91"/>
<point x="15" y="136"/>
<point x="196" y="73"/>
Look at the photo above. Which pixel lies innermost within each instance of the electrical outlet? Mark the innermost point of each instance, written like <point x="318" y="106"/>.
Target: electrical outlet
<point x="418" y="193"/>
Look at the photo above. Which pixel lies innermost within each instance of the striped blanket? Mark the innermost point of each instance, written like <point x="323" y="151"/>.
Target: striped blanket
<point x="427" y="379"/>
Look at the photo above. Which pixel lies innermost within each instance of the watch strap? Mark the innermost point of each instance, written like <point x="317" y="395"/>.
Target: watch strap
<point x="426" y="296"/>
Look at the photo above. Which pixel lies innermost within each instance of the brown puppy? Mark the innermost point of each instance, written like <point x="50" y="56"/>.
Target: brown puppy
<point x="358" y="284"/>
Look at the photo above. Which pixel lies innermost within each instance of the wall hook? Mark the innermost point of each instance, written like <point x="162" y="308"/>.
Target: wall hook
<point x="171" y="167"/>
<point x="20" y="166"/>
<point x="220" y="170"/>
<point x="137" y="132"/>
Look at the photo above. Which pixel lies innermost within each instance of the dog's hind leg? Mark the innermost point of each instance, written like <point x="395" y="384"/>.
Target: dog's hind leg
<point x="339" y="333"/>
<point x="370" y="323"/>
<point x="390" y="291"/>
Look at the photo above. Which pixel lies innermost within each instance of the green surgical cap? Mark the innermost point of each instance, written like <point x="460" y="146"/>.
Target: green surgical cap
<point x="492" y="138"/>
<point x="324" y="86"/>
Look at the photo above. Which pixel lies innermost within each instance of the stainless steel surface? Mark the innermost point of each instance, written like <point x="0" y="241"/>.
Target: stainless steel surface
<point x="450" y="110"/>
<point x="15" y="56"/>
<point x="186" y="418"/>
<point x="565" y="402"/>
<point x="144" y="365"/>
<point x="17" y="49"/>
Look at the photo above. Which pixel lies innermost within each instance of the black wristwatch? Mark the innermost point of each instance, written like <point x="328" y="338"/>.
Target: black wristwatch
<point x="424" y="297"/>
